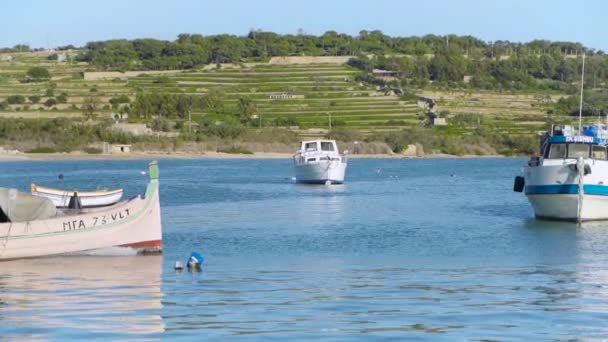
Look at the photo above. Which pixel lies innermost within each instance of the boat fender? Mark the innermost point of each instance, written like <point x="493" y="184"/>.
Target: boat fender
<point x="75" y="202"/>
<point x="518" y="185"/>
<point x="586" y="170"/>
<point x="195" y="261"/>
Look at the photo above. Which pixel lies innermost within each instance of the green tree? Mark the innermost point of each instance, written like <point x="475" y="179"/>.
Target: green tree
<point x="90" y="106"/>
<point x="183" y="105"/>
<point x="36" y="74"/>
<point x="34" y="98"/>
<point x="247" y="108"/>
<point x="448" y="65"/>
<point x="116" y="101"/>
<point x="214" y="101"/>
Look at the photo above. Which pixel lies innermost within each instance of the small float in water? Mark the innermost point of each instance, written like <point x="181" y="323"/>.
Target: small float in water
<point x="320" y="162"/>
<point x="32" y="226"/>
<point x="88" y="199"/>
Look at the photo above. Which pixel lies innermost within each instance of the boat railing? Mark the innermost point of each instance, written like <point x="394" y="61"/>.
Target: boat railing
<point x="313" y="157"/>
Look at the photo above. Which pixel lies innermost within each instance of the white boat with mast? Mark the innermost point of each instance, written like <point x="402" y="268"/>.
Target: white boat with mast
<point x="320" y="162"/>
<point x="32" y="226"/>
<point x="569" y="180"/>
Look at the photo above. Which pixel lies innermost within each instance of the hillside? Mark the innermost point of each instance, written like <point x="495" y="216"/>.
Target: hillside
<point x="300" y="97"/>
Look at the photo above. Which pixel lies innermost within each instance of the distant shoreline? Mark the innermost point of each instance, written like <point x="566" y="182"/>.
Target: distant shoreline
<point x="208" y="155"/>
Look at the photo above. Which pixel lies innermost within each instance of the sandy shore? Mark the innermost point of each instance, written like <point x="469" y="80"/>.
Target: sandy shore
<point x="207" y="155"/>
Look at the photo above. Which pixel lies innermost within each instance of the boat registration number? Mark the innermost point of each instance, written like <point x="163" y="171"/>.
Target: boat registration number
<point x="95" y="221"/>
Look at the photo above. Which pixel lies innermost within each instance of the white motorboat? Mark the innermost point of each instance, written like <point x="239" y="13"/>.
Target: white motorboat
<point x="320" y="162"/>
<point x="33" y="226"/>
<point x="61" y="198"/>
<point x="570" y="180"/>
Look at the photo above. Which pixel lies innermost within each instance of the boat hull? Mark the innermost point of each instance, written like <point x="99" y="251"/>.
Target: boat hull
<point x="565" y="207"/>
<point x="135" y="223"/>
<point x="553" y="191"/>
<point x="321" y="172"/>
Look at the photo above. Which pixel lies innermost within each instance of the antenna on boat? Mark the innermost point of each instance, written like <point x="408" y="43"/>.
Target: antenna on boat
<point x="580" y="108"/>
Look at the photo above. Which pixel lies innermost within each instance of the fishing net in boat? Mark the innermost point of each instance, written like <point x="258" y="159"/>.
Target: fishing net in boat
<point x="21" y="206"/>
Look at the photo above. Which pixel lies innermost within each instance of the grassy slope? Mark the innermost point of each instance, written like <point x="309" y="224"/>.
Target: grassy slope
<point x="328" y="90"/>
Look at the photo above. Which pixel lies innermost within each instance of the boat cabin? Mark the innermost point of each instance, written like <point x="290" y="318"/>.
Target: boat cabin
<point x="319" y="146"/>
<point x="565" y="143"/>
<point x="313" y="151"/>
<point x="573" y="147"/>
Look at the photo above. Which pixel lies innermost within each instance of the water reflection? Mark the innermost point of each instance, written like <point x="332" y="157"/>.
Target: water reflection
<point x="320" y="205"/>
<point x="111" y="296"/>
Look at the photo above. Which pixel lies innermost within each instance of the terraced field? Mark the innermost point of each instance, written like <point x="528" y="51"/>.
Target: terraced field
<point x="320" y="92"/>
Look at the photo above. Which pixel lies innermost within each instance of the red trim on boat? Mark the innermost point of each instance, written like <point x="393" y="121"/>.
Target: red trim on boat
<point x="145" y="244"/>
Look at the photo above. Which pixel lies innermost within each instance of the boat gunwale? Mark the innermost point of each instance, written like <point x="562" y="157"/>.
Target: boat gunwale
<point x="62" y="192"/>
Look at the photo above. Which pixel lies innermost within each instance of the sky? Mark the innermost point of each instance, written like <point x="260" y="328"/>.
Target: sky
<point x="52" y="23"/>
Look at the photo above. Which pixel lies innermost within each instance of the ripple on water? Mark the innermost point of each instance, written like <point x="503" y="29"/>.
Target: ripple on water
<point x="403" y="250"/>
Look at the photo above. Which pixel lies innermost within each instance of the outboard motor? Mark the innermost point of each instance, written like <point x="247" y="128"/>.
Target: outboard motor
<point x="518" y="185"/>
<point x="75" y="202"/>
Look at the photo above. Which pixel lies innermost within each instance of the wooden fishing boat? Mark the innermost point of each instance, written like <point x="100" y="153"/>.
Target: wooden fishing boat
<point x="33" y="226"/>
<point x="61" y="198"/>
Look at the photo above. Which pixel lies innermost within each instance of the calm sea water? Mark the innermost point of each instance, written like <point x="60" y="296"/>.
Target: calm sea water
<point x="406" y="249"/>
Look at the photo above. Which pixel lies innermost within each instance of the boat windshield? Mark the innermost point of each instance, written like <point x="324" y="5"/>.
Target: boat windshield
<point x="578" y="150"/>
<point x="557" y="151"/>
<point x="327" y="146"/>
<point x="599" y="152"/>
<point x="561" y="151"/>
<point x="310" y="147"/>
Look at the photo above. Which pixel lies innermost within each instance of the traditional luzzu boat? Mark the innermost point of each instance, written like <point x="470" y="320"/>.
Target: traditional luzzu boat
<point x="569" y="181"/>
<point x="33" y="226"/>
<point x="320" y="162"/>
<point x="61" y="198"/>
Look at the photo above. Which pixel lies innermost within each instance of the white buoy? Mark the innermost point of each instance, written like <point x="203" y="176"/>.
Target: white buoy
<point x="179" y="265"/>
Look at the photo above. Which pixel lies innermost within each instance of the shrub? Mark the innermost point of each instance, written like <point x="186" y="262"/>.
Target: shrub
<point x="92" y="150"/>
<point x="236" y="150"/>
<point x="34" y="98"/>
<point x="38" y="73"/>
<point x="63" y="98"/>
<point x="50" y="102"/>
<point x="42" y="149"/>
<point x="15" y="99"/>
<point x="115" y="101"/>
<point x="160" y="125"/>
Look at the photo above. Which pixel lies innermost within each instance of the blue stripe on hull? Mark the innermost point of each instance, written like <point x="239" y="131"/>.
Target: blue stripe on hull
<point x="590" y="189"/>
<point x="317" y="181"/>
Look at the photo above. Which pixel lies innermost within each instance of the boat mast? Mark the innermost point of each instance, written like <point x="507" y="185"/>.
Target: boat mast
<point x="580" y="108"/>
